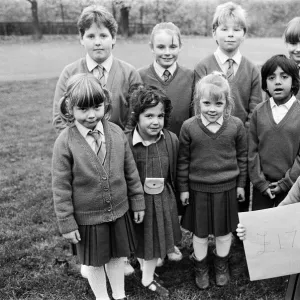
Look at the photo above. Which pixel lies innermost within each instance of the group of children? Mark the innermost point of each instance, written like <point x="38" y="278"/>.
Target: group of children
<point x="120" y="172"/>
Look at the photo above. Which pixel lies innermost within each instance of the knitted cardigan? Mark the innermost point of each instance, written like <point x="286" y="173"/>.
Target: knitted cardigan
<point x="179" y="88"/>
<point x="84" y="191"/>
<point x="120" y="78"/>
<point x="274" y="148"/>
<point x="245" y="86"/>
<point x="212" y="162"/>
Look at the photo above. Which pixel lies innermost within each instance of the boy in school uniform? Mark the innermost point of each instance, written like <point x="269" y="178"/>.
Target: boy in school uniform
<point x="98" y="29"/>
<point x="229" y="29"/>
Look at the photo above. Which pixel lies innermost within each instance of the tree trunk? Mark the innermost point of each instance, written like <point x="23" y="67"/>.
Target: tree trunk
<point x="35" y="20"/>
<point x="124" y="21"/>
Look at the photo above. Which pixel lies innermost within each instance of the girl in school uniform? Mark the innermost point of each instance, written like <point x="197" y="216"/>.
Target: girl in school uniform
<point x="274" y="140"/>
<point x="211" y="175"/>
<point x="155" y="152"/>
<point x="95" y="182"/>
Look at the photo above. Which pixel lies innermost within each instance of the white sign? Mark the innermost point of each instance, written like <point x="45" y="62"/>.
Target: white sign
<point x="272" y="243"/>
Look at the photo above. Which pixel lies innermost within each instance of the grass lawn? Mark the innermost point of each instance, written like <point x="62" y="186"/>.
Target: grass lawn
<point x="35" y="262"/>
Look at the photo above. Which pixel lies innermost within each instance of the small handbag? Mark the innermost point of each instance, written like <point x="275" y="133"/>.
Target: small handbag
<point x="153" y="186"/>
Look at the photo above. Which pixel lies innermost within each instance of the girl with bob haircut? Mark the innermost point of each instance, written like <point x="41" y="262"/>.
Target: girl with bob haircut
<point x="211" y="175"/>
<point x="95" y="182"/>
<point x="155" y="152"/>
<point x="274" y="141"/>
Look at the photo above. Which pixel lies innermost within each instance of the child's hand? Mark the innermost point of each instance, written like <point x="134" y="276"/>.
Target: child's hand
<point x="241" y="231"/>
<point x="72" y="237"/>
<point x="275" y="188"/>
<point x="240" y="194"/>
<point x="184" y="198"/>
<point x="268" y="193"/>
<point x="138" y="216"/>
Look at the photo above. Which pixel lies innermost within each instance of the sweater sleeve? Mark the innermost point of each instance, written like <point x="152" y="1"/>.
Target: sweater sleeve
<point x="241" y="154"/>
<point x="183" y="161"/>
<point x="291" y="175"/>
<point x="256" y="94"/>
<point x="62" y="185"/>
<point x="134" y="187"/>
<point x="294" y="194"/>
<point x="257" y="177"/>
<point x="58" y="123"/>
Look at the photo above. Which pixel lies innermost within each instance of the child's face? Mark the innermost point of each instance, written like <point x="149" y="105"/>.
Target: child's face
<point x="279" y="86"/>
<point x="166" y="48"/>
<point x="229" y="37"/>
<point x="89" y="117"/>
<point x="294" y="51"/>
<point x="98" y="42"/>
<point x="151" y="122"/>
<point x="211" y="109"/>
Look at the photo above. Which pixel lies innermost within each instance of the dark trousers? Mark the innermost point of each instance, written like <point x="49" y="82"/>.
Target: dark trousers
<point x="261" y="201"/>
<point x="244" y="206"/>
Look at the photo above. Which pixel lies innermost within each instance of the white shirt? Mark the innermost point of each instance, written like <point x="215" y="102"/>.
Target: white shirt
<point x="279" y="111"/>
<point x="160" y="70"/>
<point x="92" y="66"/>
<point x="224" y="64"/>
<point x="212" y="126"/>
<point x="90" y="140"/>
<point x="136" y="138"/>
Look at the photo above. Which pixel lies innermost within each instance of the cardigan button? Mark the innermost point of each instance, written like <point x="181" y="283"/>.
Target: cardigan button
<point x="104" y="178"/>
<point x="109" y="209"/>
<point x="107" y="200"/>
<point x="105" y="189"/>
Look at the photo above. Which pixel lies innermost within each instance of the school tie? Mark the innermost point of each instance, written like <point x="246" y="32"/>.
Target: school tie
<point x="166" y="75"/>
<point x="101" y="76"/>
<point x="229" y="73"/>
<point x="100" y="148"/>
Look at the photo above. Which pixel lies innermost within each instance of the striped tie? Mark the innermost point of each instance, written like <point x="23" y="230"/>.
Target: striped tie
<point x="100" y="148"/>
<point x="101" y="76"/>
<point x="166" y="75"/>
<point x="229" y="73"/>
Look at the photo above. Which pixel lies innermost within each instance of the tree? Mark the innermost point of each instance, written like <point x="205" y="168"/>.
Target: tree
<point x="35" y="20"/>
<point x="125" y="6"/>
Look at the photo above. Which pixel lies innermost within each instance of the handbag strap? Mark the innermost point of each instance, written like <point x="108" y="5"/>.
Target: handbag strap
<point x="147" y="147"/>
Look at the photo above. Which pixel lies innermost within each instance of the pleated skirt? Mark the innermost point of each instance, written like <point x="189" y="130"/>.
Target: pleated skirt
<point x="211" y="213"/>
<point x="99" y="243"/>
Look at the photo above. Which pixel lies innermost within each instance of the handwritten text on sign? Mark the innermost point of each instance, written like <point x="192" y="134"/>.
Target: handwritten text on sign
<point x="272" y="244"/>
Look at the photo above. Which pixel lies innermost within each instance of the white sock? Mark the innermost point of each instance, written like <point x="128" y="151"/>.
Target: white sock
<point x="97" y="280"/>
<point x="223" y="244"/>
<point x="141" y="262"/>
<point x="115" y="274"/>
<point x="200" y="246"/>
<point x="148" y="271"/>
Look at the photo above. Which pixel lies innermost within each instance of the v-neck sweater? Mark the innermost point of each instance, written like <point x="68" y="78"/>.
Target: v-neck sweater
<point x="120" y="78"/>
<point x="274" y="148"/>
<point x="179" y="89"/>
<point x="85" y="192"/>
<point x="212" y="162"/>
<point x="245" y="85"/>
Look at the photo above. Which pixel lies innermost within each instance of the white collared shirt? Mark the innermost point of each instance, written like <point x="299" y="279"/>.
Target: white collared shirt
<point x="279" y="111"/>
<point x="212" y="126"/>
<point x="90" y="140"/>
<point x="92" y="66"/>
<point x="223" y="63"/>
<point x="160" y="70"/>
<point x="136" y="138"/>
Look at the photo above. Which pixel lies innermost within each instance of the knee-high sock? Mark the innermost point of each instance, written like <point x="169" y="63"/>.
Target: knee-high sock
<point x="148" y="271"/>
<point x="115" y="274"/>
<point x="223" y="244"/>
<point x="97" y="280"/>
<point x="200" y="246"/>
<point x="141" y="262"/>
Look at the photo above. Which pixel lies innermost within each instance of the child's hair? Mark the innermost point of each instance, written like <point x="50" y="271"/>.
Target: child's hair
<point x="84" y="90"/>
<point x="229" y="11"/>
<point x="170" y="27"/>
<point x="216" y="87"/>
<point x="143" y="97"/>
<point x="99" y="15"/>
<point x="292" y="31"/>
<point x="287" y="65"/>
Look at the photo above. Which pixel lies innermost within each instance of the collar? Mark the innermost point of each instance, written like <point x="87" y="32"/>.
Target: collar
<point x="160" y="70"/>
<point x="288" y="104"/>
<point x="237" y="58"/>
<point x="206" y="123"/>
<point x="91" y="64"/>
<point x="136" y="138"/>
<point x="84" y="131"/>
